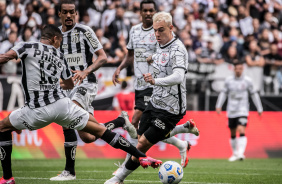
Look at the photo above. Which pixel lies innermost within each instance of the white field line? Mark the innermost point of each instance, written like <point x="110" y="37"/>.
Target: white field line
<point x="102" y="180"/>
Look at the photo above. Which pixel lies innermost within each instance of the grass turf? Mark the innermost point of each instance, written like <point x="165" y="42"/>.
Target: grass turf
<point x="97" y="171"/>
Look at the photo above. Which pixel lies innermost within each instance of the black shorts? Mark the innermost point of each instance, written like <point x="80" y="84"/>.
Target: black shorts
<point x="234" y="122"/>
<point x="142" y="98"/>
<point x="156" y="124"/>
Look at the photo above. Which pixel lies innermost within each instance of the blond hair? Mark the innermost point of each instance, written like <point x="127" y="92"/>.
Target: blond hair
<point x="163" y="16"/>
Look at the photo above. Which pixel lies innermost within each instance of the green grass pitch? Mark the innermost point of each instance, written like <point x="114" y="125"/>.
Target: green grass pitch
<point x="206" y="171"/>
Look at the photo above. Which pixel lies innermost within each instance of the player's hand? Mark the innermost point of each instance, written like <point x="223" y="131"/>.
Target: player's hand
<point x="18" y="131"/>
<point x="218" y="110"/>
<point x="115" y="77"/>
<point x="149" y="60"/>
<point x="79" y="76"/>
<point x="148" y="78"/>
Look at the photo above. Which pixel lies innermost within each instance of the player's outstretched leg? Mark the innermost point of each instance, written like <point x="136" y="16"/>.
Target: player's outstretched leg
<point x="188" y="127"/>
<point x="183" y="147"/>
<point x="122" y="121"/>
<point x="5" y="156"/>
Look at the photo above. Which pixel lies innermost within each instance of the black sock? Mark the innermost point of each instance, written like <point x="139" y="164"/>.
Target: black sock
<point x="5" y="153"/>
<point x="117" y="141"/>
<point x="70" y="149"/>
<point x="131" y="165"/>
<point x="119" y="122"/>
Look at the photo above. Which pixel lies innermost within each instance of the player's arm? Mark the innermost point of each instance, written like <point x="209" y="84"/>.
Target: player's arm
<point x="67" y="84"/>
<point x="176" y="77"/>
<point x="128" y="60"/>
<point x="255" y="97"/>
<point x="221" y="98"/>
<point x="10" y="55"/>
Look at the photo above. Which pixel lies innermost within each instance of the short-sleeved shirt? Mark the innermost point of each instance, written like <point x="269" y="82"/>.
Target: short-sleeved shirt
<point x="43" y="66"/>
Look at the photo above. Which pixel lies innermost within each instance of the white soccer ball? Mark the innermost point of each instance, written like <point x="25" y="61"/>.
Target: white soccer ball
<point x="170" y="172"/>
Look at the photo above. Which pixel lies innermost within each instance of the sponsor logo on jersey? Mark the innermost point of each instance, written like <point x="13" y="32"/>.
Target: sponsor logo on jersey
<point x="74" y="59"/>
<point x="82" y="91"/>
<point x="123" y="142"/>
<point x="73" y="124"/>
<point x="92" y="40"/>
<point x="65" y="46"/>
<point x="2" y="153"/>
<point x="159" y="102"/>
<point x="49" y="86"/>
<point x="139" y="55"/>
<point x="29" y="127"/>
<point x="158" y="123"/>
<point x="73" y="153"/>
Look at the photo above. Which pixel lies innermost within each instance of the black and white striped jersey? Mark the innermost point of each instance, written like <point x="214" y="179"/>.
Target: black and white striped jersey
<point x="42" y="67"/>
<point x="168" y="57"/>
<point x="78" y="45"/>
<point x="143" y="42"/>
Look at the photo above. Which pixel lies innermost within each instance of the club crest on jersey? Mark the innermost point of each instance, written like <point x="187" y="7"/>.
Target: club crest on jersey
<point x="164" y="60"/>
<point x="123" y="142"/>
<point x="152" y="37"/>
<point x="75" y="38"/>
<point x="65" y="46"/>
<point x="2" y="153"/>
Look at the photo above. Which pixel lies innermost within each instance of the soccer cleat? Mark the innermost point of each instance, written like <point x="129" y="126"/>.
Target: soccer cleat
<point x="184" y="155"/>
<point x="120" y="166"/>
<point x="241" y="157"/>
<point x="192" y="128"/>
<point x="233" y="158"/>
<point x="114" y="180"/>
<point x="8" y="181"/>
<point x="64" y="176"/>
<point x="128" y="126"/>
<point x="149" y="161"/>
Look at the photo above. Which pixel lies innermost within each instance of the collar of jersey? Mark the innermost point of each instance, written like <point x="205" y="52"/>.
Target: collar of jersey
<point x="70" y="29"/>
<point x="168" y="44"/>
<point x="146" y="29"/>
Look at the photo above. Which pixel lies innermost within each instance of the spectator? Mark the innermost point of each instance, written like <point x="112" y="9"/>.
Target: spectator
<point x="278" y="40"/>
<point x="207" y="55"/>
<point x="95" y="11"/>
<point x="27" y="36"/>
<point x="264" y="42"/>
<point x="15" y="10"/>
<point x="30" y="18"/>
<point x="231" y="57"/>
<point x="124" y="100"/>
<point x="198" y="41"/>
<point x="214" y="36"/>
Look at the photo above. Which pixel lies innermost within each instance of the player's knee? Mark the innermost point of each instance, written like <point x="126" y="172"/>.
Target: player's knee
<point x="87" y="138"/>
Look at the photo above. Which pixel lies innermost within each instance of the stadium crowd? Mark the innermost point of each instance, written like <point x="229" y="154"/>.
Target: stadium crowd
<point x="213" y="31"/>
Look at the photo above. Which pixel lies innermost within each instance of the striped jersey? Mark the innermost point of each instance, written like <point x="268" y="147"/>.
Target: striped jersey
<point x="168" y="57"/>
<point x="79" y="45"/>
<point x="237" y="89"/>
<point x="42" y="67"/>
<point x="143" y="42"/>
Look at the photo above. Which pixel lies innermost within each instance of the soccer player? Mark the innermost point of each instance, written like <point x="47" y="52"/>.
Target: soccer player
<point x="236" y="87"/>
<point x="167" y="104"/>
<point x="43" y="66"/>
<point x="79" y="44"/>
<point x="142" y="44"/>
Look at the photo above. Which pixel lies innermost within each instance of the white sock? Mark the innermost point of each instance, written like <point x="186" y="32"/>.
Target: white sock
<point x="123" y="173"/>
<point x="176" y="142"/>
<point x="242" y="144"/>
<point x="233" y="143"/>
<point x="179" y="129"/>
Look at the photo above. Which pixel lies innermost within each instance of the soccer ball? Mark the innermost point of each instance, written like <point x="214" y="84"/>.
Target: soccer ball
<point x="170" y="172"/>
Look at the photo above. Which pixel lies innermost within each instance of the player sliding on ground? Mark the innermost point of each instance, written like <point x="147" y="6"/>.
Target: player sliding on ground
<point x="43" y="66"/>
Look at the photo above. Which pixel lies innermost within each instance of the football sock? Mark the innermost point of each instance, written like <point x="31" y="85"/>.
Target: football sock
<point x="131" y="165"/>
<point x="70" y="149"/>
<point x="176" y="142"/>
<point x="179" y="129"/>
<point x="134" y="142"/>
<point x="242" y="143"/>
<point x="117" y="141"/>
<point x="5" y="153"/>
<point x="118" y="122"/>
<point x="233" y="144"/>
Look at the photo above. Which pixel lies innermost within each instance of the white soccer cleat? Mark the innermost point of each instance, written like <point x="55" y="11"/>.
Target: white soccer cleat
<point x="241" y="157"/>
<point x="120" y="166"/>
<point x="184" y="155"/>
<point x="192" y="127"/>
<point x="114" y="180"/>
<point x="128" y="126"/>
<point x="233" y="158"/>
<point x="64" y="176"/>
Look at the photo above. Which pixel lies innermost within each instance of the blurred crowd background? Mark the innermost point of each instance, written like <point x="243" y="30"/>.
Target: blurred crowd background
<point x="216" y="34"/>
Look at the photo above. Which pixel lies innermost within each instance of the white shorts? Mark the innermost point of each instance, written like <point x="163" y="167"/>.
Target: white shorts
<point x="84" y="94"/>
<point x="63" y="112"/>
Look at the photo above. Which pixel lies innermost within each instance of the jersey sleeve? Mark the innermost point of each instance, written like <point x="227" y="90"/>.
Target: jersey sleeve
<point x="179" y="58"/>
<point x="66" y="73"/>
<point x="92" y="40"/>
<point x="20" y="49"/>
<point x="130" y="44"/>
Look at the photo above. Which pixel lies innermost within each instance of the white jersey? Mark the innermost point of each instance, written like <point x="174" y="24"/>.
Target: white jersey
<point x="78" y="45"/>
<point x="143" y="42"/>
<point x="238" y="90"/>
<point x="168" y="57"/>
<point x="42" y="67"/>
